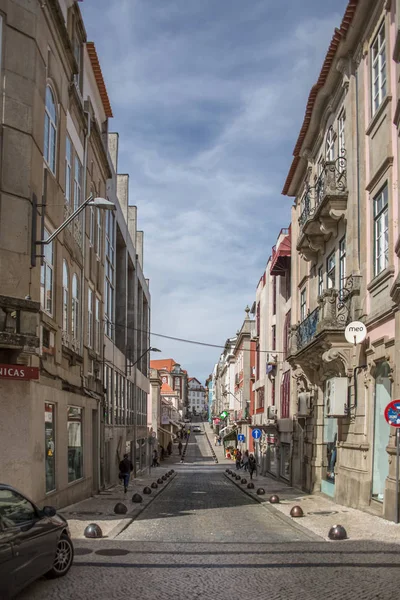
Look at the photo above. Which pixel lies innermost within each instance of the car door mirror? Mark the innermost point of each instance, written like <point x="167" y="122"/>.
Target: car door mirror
<point x="49" y="511"/>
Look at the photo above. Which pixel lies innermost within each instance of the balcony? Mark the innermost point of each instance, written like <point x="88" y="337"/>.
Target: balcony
<point x="323" y="205"/>
<point x="19" y="320"/>
<point x="326" y="324"/>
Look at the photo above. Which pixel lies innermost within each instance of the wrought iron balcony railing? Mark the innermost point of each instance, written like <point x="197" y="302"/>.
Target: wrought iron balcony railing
<point x="307" y="329"/>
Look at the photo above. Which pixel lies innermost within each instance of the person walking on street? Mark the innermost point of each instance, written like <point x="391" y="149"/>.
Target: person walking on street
<point x="238" y="460"/>
<point x="180" y="447"/>
<point x="246" y="460"/>
<point x="125" y="470"/>
<point x="252" y="465"/>
<point x="155" y="459"/>
<point x="215" y="440"/>
<point x="169" y="448"/>
<point x="219" y="441"/>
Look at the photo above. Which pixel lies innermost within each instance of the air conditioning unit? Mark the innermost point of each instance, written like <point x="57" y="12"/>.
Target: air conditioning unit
<point x="303" y="404"/>
<point x="271" y="412"/>
<point x="335" y="396"/>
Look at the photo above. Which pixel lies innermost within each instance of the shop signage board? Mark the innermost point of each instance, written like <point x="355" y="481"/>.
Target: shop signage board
<point x="355" y="332"/>
<point x="20" y="372"/>
<point x="256" y="433"/>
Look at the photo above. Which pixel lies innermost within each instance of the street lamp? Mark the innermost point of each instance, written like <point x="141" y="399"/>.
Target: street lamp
<point x="90" y="201"/>
<point x="145" y="352"/>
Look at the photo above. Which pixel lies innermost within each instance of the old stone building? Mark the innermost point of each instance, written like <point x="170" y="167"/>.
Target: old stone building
<point x="344" y="178"/>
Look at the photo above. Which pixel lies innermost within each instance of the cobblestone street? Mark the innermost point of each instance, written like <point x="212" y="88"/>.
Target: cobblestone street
<point x="204" y="538"/>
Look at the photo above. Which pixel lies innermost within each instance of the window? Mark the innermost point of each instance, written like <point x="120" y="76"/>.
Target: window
<point x="91" y="226"/>
<point x="273" y="337"/>
<point x="75" y="449"/>
<point x="331" y="271"/>
<point x="90" y="318"/>
<point x="77" y="182"/>
<point x="110" y="273"/>
<point x="260" y="398"/>
<point x="378" y="74"/>
<point x="342" y="263"/>
<point x="341" y="139"/>
<point x="285" y="395"/>
<point x="320" y="281"/>
<point x="50" y="448"/>
<point x="274" y="296"/>
<point x="65" y="312"/>
<point x="303" y="305"/>
<point x="97" y="331"/>
<point x="50" y="130"/>
<point x="75" y="307"/>
<point x="330" y="145"/>
<point x="68" y="170"/>
<point x="381" y="231"/>
<point x="286" y="334"/>
<point x="273" y="392"/>
<point x="15" y="510"/>
<point x="46" y="276"/>
<point x="99" y="234"/>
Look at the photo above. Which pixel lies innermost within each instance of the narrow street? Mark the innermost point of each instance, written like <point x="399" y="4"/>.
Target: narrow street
<point x="204" y="538"/>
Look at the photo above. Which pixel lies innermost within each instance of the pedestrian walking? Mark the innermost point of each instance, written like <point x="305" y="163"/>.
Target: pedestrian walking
<point x="180" y="447"/>
<point x="155" y="459"/>
<point x="252" y="465"/>
<point x="169" y="448"/>
<point x="162" y="452"/>
<point x="238" y="460"/>
<point x="245" y="460"/>
<point x="125" y="470"/>
<point x="219" y="441"/>
<point x="215" y="440"/>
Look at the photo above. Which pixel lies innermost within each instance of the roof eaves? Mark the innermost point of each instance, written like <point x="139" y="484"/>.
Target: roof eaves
<point x="94" y="59"/>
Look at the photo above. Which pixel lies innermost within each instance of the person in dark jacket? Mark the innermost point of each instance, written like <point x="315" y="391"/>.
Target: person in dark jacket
<point x="169" y="448"/>
<point x="252" y="465"/>
<point x="180" y="447"/>
<point x="125" y="470"/>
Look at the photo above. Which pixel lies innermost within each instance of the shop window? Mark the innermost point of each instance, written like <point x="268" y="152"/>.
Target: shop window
<point x="285" y="461"/>
<point x="75" y="445"/>
<point x="50" y="446"/>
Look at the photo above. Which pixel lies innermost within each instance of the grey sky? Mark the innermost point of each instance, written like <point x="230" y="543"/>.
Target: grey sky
<point x="208" y="97"/>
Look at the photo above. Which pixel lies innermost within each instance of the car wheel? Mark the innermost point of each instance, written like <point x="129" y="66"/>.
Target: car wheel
<point x="63" y="558"/>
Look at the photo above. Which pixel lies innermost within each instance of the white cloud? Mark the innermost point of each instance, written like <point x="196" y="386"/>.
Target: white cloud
<point x="208" y="101"/>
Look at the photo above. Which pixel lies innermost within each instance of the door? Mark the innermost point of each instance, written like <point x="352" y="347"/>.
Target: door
<point x="34" y="538"/>
<point x="383" y="395"/>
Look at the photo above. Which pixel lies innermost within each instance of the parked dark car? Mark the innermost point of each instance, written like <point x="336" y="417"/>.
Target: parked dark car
<point x="33" y="542"/>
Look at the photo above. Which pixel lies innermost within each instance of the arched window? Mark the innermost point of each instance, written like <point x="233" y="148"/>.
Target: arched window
<point x="330" y="145"/>
<point x="65" y="310"/>
<point x="75" y="307"/>
<point x="50" y="130"/>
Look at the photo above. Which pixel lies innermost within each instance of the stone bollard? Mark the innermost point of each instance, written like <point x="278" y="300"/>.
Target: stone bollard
<point x="93" y="531"/>
<point x="137" y="498"/>
<point x="120" y="509"/>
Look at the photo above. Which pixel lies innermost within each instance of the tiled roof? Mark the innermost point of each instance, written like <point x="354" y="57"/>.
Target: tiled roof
<point x="166" y="389"/>
<point x="94" y="59"/>
<point x="338" y="35"/>
<point x="164" y="363"/>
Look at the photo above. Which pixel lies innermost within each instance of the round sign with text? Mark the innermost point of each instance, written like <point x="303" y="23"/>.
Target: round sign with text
<point x="355" y="332"/>
<point x="392" y="413"/>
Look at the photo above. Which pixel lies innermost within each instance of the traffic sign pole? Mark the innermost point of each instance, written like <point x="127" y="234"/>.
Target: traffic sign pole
<point x="397" y="472"/>
<point x="392" y="416"/>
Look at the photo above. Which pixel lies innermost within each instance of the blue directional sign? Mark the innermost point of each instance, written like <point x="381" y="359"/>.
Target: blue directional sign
<point x="241" y="437"/>
<point x="256" y="433"/>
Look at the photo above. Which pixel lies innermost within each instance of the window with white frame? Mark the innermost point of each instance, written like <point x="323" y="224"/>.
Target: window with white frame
<point x="320" y="281"/>
<point x="303" y="304"/>
<point x="47" y="276"/>
<point x="77" y="182"/>
<point x="330" y="145"/>
<point x="381" y="231"/>
<point x="342" y="263"/>
<point x="65" y="312"/>
<point x="68" y="170"/>
<point x="50" y="130"/>
<point x="97" y="330"/>
<point x="341" y="134"/>
<point x="110" y="273"/>
<point x="331" y="271"/>
<point x="75" y="307"/>
<point x="99" y="234"/>
<point x="91" y="225"/>
<point x="378" y="69"/>
<point x="90" y="318"/>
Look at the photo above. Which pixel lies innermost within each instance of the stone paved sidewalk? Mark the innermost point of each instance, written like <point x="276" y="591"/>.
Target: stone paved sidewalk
<point x="320" y="512"/>
<point x="100" y="508"/>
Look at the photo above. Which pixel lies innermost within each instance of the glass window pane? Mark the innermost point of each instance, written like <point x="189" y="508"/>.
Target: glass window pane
<point x="50" y="448"/>
<point x="75" y="447"/>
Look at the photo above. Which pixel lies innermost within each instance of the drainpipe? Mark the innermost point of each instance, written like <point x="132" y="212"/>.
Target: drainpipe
<point x="85" y="153"/>
<point x="358" y="176"/>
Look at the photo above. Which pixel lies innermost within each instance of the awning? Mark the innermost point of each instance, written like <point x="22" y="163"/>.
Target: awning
<point x="223" y="429"/>
<point x="230" y="436"/>
<point x="281" y="256"/>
